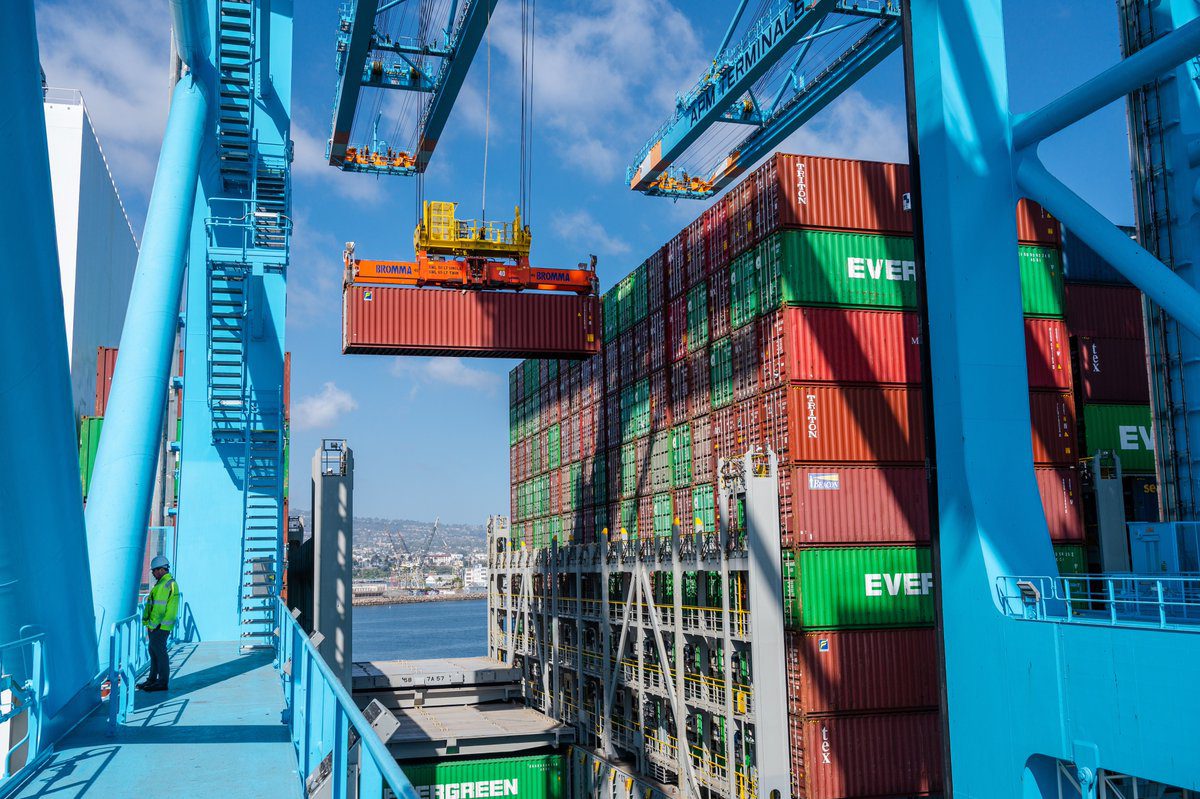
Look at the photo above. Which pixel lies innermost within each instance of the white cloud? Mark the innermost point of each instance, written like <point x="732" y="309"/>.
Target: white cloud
<point x="582" y="228"/>
<point x="311" y="166"/>
<point x="118" y="54"/>
<point x="447" y="371"/>
<point x="324" y="408"/>
<point x="854" y="127"/>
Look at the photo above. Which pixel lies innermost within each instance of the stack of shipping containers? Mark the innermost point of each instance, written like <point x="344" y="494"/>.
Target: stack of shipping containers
<point x="785" y="317"/>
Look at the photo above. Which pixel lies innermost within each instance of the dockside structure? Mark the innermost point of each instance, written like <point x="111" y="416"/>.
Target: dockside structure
<point x="783" y="318"/>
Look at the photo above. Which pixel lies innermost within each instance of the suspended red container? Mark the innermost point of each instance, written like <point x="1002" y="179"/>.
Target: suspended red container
<point x="846" y="504"/>
<point x="487" y="324"/>
<point x="856" y="671"/>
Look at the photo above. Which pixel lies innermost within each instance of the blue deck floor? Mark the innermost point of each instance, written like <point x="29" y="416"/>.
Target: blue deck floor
<point x="215" y="735"/>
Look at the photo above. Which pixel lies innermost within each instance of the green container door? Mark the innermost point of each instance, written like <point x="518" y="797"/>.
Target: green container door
<point x="681" y="458"/>
<point x="845" y="588"/>
<point x="1071" y="558"/>
<point x="1124" y="429"/>
<point x="573" y="491"/>
<point x="554" y="447"/>
<point x="533" y="777"/>
<point x="697" y="317"/>
<point x="639" y="298"/>
<point x="1041" y="281"/>
<point x="703" y="508"/>
<point x="629" y="518"/>
<point x="720" y="376"/>
<point x="662" y="515"/>
<point x="770" y="274"/>
<point x="89" y="442"/>
<point x="743" y="289"/>
<point x="848" y="269"/>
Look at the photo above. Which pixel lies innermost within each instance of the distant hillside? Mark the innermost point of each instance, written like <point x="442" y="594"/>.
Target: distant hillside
<point x="370" y="530"/>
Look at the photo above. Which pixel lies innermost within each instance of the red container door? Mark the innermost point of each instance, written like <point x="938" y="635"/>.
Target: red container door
<point x="1053" y="416"/>
<point x="698" y="377"/>
<point x="772" y="357"/>
<point x="106" y="365"/>
<point x="677" y="328"/>
<point x="702" y="450"/>
<point x="1114" y="370"/>
<point x="748" y="423"/>
<point x="746" y="349"/>
<point x="718" y="305"/>
<point x="1047" y="354"/>
<point x="656" y="343"/>
<point x="660" y="402"/>
<point x="867" y="756"/>
<point x="863" y="424"/>
<point x="775" y="422"/>
<point x="724" y="433"/>
<point x="676" y="265"/>
<point x="852" y="346"/>
<point x="656" y="280"/>
<point x="840" y="504"/>
<point x="856" y="671"/>
<point x="716" y="238"/>
<point x="1061" y="500"/>
<point x="1104" y="311"/>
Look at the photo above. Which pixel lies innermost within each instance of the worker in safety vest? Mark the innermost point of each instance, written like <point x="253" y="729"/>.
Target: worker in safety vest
<point x="162" y="609"/>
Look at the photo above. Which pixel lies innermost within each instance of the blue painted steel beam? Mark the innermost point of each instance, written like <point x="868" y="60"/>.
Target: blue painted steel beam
<point x="352" y="63"/>
<point x="465" y="42"/>
<point x="398" y="75"/>
<point x="44" y="577"/>
<point x="410" y="49"/>
<point x="763" y="46"/>
<point x="118" y="509"/>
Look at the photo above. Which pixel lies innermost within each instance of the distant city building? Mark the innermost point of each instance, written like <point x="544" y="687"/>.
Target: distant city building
<point x="97" y="250"/>
<point x="475" y="575"/>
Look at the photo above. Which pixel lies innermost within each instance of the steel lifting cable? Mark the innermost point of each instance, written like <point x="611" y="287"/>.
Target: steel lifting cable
<point x="487" y="114"/>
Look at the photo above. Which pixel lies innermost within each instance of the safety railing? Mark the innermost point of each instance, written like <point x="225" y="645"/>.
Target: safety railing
<point x="1123" y="600"/>
<point x="326" y="726"/>
<point x="128" y="657"/>
<point x="22" y="686"/>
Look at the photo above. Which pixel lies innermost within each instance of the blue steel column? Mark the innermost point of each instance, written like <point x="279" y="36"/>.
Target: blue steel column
<point x="123" y="483"/>
<point x="42" y="542"/>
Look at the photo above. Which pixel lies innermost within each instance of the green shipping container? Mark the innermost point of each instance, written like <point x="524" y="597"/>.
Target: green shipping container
<point x="554" y="447"/>
<point x="89" y="442"/>
<point x="625" y="303"/>
<point x="845" y="588"/>
<point x="629" y="518"/>
<point x="535" y="456"/>
<point x="703" y="509"/>
<point x="554" y="530"/>
<point x="1041" y="281"/>
<point x="531" y="377"/>
<point x="720" y="376"/>
<point x="847" y="269"/>
<point x="681" y="456"/>
<point x="769" y="254"/>
<point x="639" y="298"/>
<point x="608" y="310"/>
<point x="600" y="479"/>
<point x="743" y="289"/>
<point x="573" y="491"/>
<point x="697" y="317"/>
<point x="1124" y="429"/>
<point x="1071" y="558"/>
<point x="662" y="515"/>
<point x="629" y="469"/>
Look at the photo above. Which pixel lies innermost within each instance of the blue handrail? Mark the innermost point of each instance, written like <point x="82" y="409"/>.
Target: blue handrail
<point x="128" y="657"/>
<point x="326" y="725"/>
<point x="23" y="675"/>
<point x="1118" y="600"/>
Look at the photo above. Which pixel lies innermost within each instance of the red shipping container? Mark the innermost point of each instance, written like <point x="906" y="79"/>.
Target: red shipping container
<point x="630" y="357"/>
<point x="740" y="207"/>
<point x="872" y="424"/>
<point x="772" y="351"/>
<point x="512" y="502"/>
<point x="677" y="328"/>
<point x="656" y="325"/>
<point x="660" y="401"/>
<point x="842" y="504"/>
<point x="746" y="352"/>
<point x="1062" y="502"/>
<point x="680" y="391"/>
<point x="716" y="238"/>
<point x="676" y="264"/>
<point x="1047" y="355"/>
<point x="681" y="510"/>
<point x="106" y="365"/>
<point x="1053" y="416"/>
<point x="645" y="523"/>
<point x="748" y="421"/>
<point x="1035" y="225"/>
<point x="698" y="369"/>
<point x="555" y="491"/>
<point x="855" y="671"/>
<point x="724" y="434"/>
<point x="775" y="421"/>
<point x="718" y="305"/>
<point x="702" y="450"/>
<point x="1114" y="370"/>
<point x="832" y="193"/>
<point x="846" y="757"/>
<point x="786" y="510"/>
<point x="493" y="324"/>
<point x="852" y="346"/>
<point x="656" y="280"/>
<point x="641" y="349"/>
<point x="614" y="523"/>
<point x="612" y="366"/>
<point x="696" y="268"/>
<point x="589" y="439"/>
<point x="1104" y="311"/>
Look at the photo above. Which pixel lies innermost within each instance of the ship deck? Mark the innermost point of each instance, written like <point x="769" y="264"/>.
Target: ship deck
<point x="217" y="732"/>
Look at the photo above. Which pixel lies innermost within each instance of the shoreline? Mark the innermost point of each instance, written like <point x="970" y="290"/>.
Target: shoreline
<point x="368" y="601"/>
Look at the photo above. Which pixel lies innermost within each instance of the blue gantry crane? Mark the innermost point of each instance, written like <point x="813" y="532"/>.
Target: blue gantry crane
<point x="415" y="57"/>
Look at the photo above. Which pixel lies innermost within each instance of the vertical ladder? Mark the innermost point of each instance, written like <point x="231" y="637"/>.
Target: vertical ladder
<point x="262" y="530"/>
<point x="227" y="294"/>
<point x="235" y="61"/>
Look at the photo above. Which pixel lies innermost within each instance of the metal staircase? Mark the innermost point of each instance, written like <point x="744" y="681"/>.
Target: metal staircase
<point x="227" y="298"/>
<point x="262" y="540"/>
<point x="235" y="65"/>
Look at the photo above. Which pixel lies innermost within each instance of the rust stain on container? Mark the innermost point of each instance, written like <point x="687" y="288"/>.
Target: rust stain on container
<point x="480" y="324"/>
<point x="852" y="346"/>
<point x="842" y="504"/>
<point x="855" y="671"/>
<point x="848" y="424"/>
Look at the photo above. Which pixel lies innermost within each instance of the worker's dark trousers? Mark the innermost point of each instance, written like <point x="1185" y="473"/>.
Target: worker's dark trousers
<point x="160" y="665"/>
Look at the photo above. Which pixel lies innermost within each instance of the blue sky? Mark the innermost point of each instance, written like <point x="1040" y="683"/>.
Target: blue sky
<point x="430" y="435"/>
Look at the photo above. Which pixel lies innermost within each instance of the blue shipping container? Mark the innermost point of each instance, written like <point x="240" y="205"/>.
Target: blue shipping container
<point x="1082" y="264"/>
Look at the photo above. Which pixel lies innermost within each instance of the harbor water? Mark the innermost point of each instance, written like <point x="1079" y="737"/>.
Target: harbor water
<point x="421" y="630"/>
